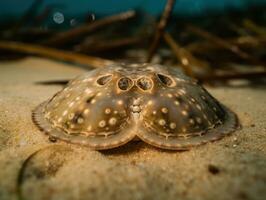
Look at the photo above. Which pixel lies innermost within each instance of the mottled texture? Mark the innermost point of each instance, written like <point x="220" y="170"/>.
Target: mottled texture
<point x="135" y="171"/>
<point x="108" y="107"/>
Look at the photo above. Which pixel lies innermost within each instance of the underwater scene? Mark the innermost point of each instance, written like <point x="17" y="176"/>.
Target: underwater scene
<point x="133" y="99"/>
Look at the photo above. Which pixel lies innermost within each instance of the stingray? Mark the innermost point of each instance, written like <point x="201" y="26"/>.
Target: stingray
<point x="110" y="106"/>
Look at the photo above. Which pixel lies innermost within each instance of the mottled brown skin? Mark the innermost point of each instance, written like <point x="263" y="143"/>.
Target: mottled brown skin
<point x="108" y="107"/>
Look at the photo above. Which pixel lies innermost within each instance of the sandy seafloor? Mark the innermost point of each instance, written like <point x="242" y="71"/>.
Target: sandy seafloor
<point x="232" y="168"/>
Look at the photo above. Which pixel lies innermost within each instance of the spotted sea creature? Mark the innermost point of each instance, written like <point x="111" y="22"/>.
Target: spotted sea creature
<point x="108" y="107"/>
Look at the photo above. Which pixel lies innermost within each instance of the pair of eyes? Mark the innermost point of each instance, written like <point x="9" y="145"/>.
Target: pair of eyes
<point x="144" y="83"/>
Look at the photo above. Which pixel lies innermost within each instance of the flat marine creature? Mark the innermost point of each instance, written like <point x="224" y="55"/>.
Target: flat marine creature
<point x="107" y="107"/>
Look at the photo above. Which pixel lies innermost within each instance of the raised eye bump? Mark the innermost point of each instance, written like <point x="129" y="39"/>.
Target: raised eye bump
<point x="104" y="79"/>
<point x="145" y="83"/>
<point x="166" y="80"/>
<point x="124" y="83"/>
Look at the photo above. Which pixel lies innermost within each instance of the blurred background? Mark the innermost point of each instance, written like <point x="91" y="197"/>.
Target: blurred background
<point x="14" y="9"/>
<point x="213" y="41"/>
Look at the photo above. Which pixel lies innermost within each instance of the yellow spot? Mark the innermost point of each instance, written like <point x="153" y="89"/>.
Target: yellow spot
<point x="154" y="112"/>
<point x="89" y="128"/>
<point x="102" y="124"/>
<point x="99" y="94"/>
<point x="71" y="104"/>
<point x="184" y="61"/>
<point x="170" y="95"/>
<point x="86" y="111"/>
<point x="150" y="102"/>
<point x="87" y="80"/>
<point x="164" y="110"/>
<point x="177" y="103"/>
<point x="191" y="121"/>
<point x="112" y="121"/>
<point x="119" y="102"/>
<point x="93" y="101"/>
<point x="193" y="100"/>
<point x="107" y="111"/>
<point x="183" y="91"/>
<point x="72" y="126"/>
<point x="162" y="122"/>
<point x="88" y="91"/>
<point x="198" y="106"/>
<point x="184" y="113"/>
<point x="80" y="120"/>
<point x="184" y="130"/>
<point x="60" y="119"/>
<point x="77" y="98"/>
<point x="65" y="113"/>
<point x="199" y="120"/>
<point x="115" y="112"/>
<point x="172" y="125"/>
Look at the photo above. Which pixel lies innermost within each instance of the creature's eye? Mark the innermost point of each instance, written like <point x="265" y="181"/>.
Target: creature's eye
<point x="166" y="80"/>
<point x="104" y="79"/>
<point x="125" y="83"/>
<point x="144" y="83"/>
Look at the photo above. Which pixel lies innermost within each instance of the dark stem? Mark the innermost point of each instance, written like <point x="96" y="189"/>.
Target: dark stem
<point x="160" y="28"/>
<point x="231" y="76"/>
<point x="55" y="54"/>
<point x="67" y="36"/>
<point x="98" y="46"/>
<point x="219" y="41"/>
<point x="184" y="56"/>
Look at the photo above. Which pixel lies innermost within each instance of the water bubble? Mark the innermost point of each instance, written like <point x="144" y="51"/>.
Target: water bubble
<point x="73" y="22"/>
<point x="58" y="17"/>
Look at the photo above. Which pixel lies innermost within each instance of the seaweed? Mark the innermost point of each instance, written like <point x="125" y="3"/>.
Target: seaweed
<point x="214" y="47"/>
